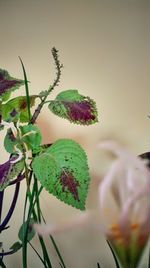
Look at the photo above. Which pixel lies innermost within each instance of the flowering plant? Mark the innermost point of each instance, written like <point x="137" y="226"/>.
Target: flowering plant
<point x="61" y="168"/>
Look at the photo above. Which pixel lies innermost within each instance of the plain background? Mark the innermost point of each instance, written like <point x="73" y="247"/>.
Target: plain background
<point x="104" y="46"/>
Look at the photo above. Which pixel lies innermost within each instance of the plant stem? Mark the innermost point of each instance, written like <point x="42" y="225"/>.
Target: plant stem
<point x="24" y="244"/>
<point x="55" y="83"/>
<point x="2" y="264"/>
<point x="31" y="211"/>
<point x="39" y="220"/>
<point x="19" y="178"/>
<point x="7" y="253"/>
<point x="57" y="250"/>
<point x="37" y="254"/>
<point x="1" y="203"/>
<point x="55" y="246"/>
<point x="12" y="207"/>
<point x="114" y="255"/>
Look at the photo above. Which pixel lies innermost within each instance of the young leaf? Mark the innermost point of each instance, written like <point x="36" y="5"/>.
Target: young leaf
<point x="8" y="84"/>
<point x="16" y="109"/>
<point x="9" y="171"/>
<point x="32" y="136"/>
<point x="76" y="108"/>
<point x="16" y="246"/>
<point x="63" y="171"/>
<point x="23" y="229"/>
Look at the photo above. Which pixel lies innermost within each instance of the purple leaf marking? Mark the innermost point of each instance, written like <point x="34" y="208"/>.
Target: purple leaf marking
<point x="13" y="112"/>
<point x="7" y="83"/>
<point x="68" y="181"/>
<point x="80" y="111"/>
<point x="4" y="170"/>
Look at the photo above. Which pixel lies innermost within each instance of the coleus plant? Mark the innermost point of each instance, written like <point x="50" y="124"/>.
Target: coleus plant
<point x="61" y="167"/>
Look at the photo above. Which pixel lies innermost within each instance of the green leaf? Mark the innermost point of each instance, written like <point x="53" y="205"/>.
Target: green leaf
<point x="76" y="108"/>
<point x="32" y="136"/>
<point x="63" y="171"/>
<point x="8" y="84"/>
<point x="10" y="141"/>
<point x="16" y="109"/>
<point x="22" y="232"/>
<point x="16" y="246"/>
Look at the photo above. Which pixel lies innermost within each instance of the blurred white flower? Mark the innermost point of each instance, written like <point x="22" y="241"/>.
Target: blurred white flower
<point x="124" y="202"/>
<point x="124" y="194"/>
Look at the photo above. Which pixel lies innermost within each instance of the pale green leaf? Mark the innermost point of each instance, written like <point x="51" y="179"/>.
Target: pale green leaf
<point x="31" y="136"/>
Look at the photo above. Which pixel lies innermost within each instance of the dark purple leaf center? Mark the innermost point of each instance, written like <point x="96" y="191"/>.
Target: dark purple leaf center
<point x="68" y="182"/>
<point x="6" y="82"/>
<point x="6" y="85"/>
<point x="80" y="111"/>
<point x="4" y="169"/>
<point x="13" y="113"/>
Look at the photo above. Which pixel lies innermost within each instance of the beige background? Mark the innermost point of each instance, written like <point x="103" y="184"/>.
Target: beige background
<point x="104" y="46"/>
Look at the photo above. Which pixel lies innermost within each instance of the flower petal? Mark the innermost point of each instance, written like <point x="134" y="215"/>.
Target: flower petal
<point x="78" y="220"/>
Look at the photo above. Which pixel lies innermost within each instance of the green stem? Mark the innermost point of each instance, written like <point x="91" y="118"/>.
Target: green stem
<point x="24" y="243"/>
<point x="39" y="220"/>
<point x="114" y="255"/>
<point x="31" y="211"/>
<point x="55" y="246"/>
<point x="37" y="254"/>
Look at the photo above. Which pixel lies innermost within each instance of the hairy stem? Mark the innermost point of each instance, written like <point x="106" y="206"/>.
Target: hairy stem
<point x="55" y="83"/>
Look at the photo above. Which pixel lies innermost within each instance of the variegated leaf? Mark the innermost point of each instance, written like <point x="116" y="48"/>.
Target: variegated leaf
<point x="16" y="109"/>
<point x="9" y="171"/>
<point x="76" y="108"/>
